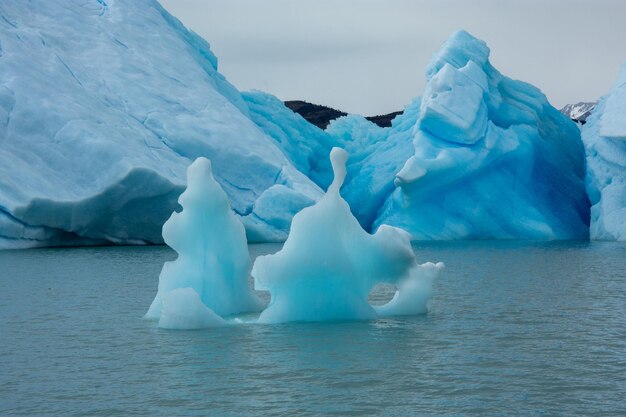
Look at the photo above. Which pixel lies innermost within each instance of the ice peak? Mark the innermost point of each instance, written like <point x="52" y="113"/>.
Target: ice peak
<point x="338" y="158"/>
<point x="460" y="48"/>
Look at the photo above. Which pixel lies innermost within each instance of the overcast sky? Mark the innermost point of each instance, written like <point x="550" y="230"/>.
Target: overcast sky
<point x="369" y="57"/>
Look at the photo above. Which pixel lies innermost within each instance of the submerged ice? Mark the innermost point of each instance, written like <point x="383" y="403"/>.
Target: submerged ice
<point x="212" y="261"/>
<point x="329" y="264"/>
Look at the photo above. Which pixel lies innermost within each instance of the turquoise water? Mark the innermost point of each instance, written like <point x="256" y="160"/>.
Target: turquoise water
<point x="528" y="329"/>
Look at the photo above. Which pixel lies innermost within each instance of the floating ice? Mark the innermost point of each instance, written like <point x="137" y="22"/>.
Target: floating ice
<point x="413" y="291"/>
<point x="329" y="264"/>
<point x="213" y="257"/>
<point x="604" y="137"/>
<point x="183" y="310"/>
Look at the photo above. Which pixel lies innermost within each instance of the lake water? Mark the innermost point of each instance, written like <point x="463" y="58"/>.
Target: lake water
<point x="515" y="328"/>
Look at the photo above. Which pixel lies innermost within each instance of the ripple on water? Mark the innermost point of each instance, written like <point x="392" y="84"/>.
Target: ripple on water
<point x="515" y="328"/>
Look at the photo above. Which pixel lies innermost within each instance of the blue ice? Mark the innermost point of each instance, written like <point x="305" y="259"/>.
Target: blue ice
<point x="604" y="137"/>
<point x="213" y="258"/>
<point x="329" y="264"/>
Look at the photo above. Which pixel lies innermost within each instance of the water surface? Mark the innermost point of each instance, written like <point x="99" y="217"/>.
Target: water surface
<point x="515" y="328"/>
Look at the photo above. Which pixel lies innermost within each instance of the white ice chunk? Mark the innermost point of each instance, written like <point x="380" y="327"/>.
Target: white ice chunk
<point x="212" y="249"/>
<point x="329" y="264"/>
<point x="413" y="292"/>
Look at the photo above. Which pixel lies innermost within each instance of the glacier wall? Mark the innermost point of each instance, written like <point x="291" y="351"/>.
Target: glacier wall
<point x="604" y="136"/>
<point x="103" y="104"/>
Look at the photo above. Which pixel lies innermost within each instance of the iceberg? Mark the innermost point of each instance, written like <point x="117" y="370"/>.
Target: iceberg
<point x="329" y="264"/>
<point x="604" y="136"/>
<point x="492" y="158"/>
<point x="213" y="261"/>
<point x="97" y="135"/>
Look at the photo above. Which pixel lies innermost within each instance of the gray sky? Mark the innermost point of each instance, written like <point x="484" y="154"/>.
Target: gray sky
<point x="369" y="57"/>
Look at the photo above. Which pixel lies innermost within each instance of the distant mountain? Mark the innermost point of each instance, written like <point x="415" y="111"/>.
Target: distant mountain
<point x="315" y="114"/>
<point x="384" y="120"/>
<point x="578" y="112"/>
<point x="321" y="116"/>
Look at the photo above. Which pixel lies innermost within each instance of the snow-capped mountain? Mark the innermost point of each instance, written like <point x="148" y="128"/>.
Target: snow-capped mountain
<point x="579" y="112"/>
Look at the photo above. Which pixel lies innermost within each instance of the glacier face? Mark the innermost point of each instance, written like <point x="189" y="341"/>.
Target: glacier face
<point x="492" y="158"/>
<point x="96" y="137"/>
<point x="604" y="136"/>
<point x="103" y="104"/>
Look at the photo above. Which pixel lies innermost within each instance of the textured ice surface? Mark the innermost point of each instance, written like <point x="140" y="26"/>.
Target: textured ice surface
<point x="212" y="258"/>
<point x="102" y="107"/>
<point x="376" y="156"/>
<point x="305" y="145"/>
<point x="604" y="137"/>
<point x="492" y="158"/>
<point x="329" y="264"/>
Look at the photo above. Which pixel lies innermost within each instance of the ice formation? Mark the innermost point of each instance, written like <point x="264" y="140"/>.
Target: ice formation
<point x="413" y="292"/>
<point x="329" y="264"/>
<point x="376" y="156"/>
<point x="212" y="261"/>
<point x="480" y="156"/>
<point x="97" y="135"/>
<point x="492" y="158"/>
<point x="604" y="137"/>
<point x="305" y="145"/>
<point x="182" y="309"/>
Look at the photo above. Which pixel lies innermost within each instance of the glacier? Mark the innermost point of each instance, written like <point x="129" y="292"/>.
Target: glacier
<point x="604" y="136"/>
<point x="492" y="158"/>
<point x="212" y="260"/>
<point x="95" y="138"/>
<point x="329" y="264"/>
<point x="479" y="156"/>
